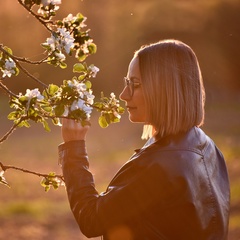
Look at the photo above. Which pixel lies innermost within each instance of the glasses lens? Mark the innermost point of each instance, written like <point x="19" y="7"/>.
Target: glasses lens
<point x="129" y="84"/>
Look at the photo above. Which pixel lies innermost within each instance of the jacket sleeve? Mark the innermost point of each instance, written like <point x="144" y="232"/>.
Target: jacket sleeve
<point x="95" y="213"/>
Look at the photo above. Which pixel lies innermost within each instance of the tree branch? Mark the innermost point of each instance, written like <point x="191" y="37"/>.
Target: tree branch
<point x="43" y="22"/>
<point x="4" y="87"/>
<point x="6" y="167"/>
<point x="21" y="67"/>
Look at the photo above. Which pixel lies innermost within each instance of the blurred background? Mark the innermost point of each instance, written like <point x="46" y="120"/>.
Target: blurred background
<point x="210" y="27"/>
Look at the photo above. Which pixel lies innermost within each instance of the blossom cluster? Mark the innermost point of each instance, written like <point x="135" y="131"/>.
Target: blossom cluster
<point x="74" y="98"/>
<point x="84" y="101"/>
<point x="48" y="7"/>
<point x="59" y="42"/>
<point x="113" y="102"/>
<point x="9" y="68"/>
<point x="30" y="94"/>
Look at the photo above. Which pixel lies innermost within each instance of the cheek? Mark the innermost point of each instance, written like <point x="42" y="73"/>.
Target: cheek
<point x="142" y="107"/>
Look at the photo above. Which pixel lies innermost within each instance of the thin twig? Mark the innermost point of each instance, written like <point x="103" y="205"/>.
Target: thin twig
<point x="21" y="67"/>
<point x="30" y="75"/>
<point x="26" y="60"/>
<point x="43" y="22"/>
<point x="6" y="89"/>
<point x="6" y="167"/>
<point x="5" y="137"/>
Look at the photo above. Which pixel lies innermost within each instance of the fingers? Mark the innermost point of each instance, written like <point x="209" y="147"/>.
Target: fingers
<point x="71" y="123"/>
<point x="73" y="130"/>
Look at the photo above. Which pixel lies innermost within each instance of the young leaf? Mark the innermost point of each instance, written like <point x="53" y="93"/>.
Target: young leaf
<point x="59" y="110"/>
<point x="78" y="68"/>
<point x="63" y="65"/>
<point x="12" y="115"/>
<point x="88" y="84"/>
<point x="103" y="122"/>
<point x="92" y="48"/>
<point x="46" y="126"/>
<point x="52" y="89"/>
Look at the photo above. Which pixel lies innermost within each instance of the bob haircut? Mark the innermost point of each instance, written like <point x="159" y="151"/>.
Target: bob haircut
<point x="172" y="87"/>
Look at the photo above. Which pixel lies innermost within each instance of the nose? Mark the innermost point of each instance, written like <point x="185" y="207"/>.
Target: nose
<point x="124" y="95"/>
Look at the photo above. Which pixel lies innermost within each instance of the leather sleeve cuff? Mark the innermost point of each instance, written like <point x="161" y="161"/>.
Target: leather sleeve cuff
<point x="72" y="151"/>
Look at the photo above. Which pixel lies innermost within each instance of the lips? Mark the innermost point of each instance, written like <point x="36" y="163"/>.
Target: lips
<point x="129" y="108"/>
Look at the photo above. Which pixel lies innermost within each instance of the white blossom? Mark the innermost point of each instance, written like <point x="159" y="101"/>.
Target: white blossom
<point x="87" y="110"/>
<point x="7" y="73"/>
<point x="84" y="101"/>
<point x="64" y="41"/>
<point x="66" y="111"/>
<point x="90" y="97"/>
<point x="84" y="47"/>
<point x="51" y="42"/>
<point x="9" y="64"/>
<point x="80" y="104"/>
<point x="53" y="2"/>
<point x="34" y="93"/>
<point x="77" y="104"/>
<point x="69" y="18"/>
<point x="116" y="115"/>
<point x="94" y="70"/>
<point x="82" y="24"/>
<point x="8" y="68"/>
<point x="112" y="95"/>
<point x="67" y="41"/>
<point x="61" y="56"/>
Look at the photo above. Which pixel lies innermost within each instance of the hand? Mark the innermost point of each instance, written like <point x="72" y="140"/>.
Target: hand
<point x="72" y="130"/>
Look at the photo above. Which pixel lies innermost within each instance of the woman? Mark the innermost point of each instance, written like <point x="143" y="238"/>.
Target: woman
<point x="176" y="187"/>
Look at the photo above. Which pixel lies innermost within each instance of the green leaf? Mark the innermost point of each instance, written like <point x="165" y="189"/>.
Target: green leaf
<point x="81" y="57"/>
<point x="82" y="77"/>
<point x="9" y="50"/>
<point x="103" y="122"/>
<point x="98" y="105"/>
<point x="46" y="46"/>
<point x="79" y="68"/>
<point x="50" y="180"/>
<point x="92" y="48"/>
<point x="59" y="110"/>
<point x="52" y="89"/>
<point x="12" y="115"/>
<point x="46" y="126"/>
<point x="23" y="99"/>
<point x="63" y="65"/>
<point x="80" y="17"/>
<point x="45" y="184"/>
<point x="121" y="110"/>
<point x="88" y="84"/>
<point x="24" y="124"/>
<point x="16" y="71"/>
<point x="56" y="121"/>
<point x="47" y="108"/>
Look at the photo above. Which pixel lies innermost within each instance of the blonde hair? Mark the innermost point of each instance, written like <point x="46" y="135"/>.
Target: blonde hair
<point x="172" y="86"/>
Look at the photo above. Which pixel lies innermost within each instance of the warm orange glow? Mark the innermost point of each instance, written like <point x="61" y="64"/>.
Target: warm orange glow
<point x="119" y="233"/>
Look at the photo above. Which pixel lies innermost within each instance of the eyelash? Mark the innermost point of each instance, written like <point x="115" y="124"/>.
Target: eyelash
<point x="136" y="85"/>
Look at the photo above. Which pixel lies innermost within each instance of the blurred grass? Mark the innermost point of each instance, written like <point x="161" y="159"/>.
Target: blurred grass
<point x="40" y="215"/>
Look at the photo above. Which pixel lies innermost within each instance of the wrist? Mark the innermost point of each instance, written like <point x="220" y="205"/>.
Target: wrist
<point x="71" y="151"/>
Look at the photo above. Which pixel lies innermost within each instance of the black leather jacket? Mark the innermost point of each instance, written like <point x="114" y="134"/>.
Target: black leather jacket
<point x="175" y="189"/>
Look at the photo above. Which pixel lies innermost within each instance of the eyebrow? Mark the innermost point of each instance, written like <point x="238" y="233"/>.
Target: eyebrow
<point x="132" y="79"/>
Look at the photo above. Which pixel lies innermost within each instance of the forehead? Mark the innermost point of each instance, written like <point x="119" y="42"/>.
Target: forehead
<point x="133" y="69"/>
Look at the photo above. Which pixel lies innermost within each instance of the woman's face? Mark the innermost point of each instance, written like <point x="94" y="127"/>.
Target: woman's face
<point x="135" y="104"/>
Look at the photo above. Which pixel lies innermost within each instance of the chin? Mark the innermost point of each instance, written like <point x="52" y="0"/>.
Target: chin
<point x="135" y="119"/>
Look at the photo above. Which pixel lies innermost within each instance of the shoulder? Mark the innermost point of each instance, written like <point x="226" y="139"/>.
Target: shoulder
<point x="175" y="154"/>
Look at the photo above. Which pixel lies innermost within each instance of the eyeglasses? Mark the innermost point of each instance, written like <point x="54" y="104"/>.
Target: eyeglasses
<point x="131" y="85"/>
